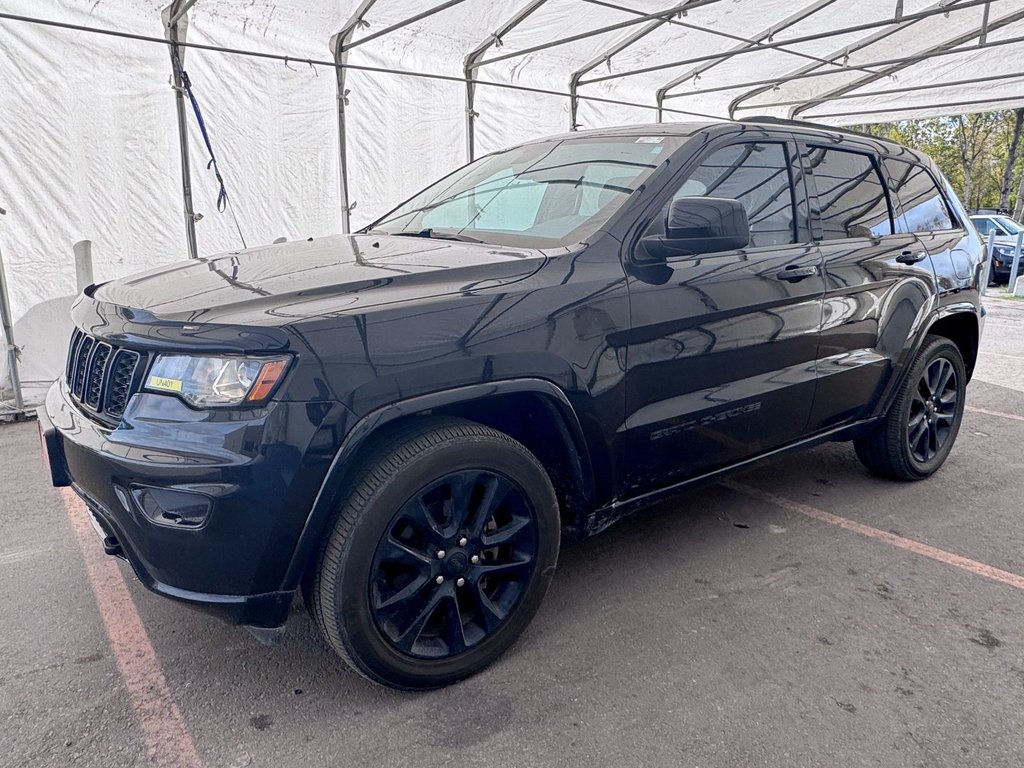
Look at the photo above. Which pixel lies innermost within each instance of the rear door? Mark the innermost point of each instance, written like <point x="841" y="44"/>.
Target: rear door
<point x="877" y="279"/>
<point x="722" y="345"/>
<point x="922" y="209"/>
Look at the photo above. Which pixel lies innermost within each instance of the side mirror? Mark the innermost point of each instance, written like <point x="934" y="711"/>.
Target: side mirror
<point x="707" y="225"/>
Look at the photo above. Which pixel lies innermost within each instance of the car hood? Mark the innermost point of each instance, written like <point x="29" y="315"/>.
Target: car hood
<point x="282" y="283"/>
<point x="1004" y="240"/>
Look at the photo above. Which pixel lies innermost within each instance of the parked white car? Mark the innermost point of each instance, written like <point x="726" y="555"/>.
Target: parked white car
<point x="1006" y="230"/>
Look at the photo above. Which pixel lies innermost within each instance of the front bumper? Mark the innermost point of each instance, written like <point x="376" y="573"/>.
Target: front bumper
<point x="248" y="471"/>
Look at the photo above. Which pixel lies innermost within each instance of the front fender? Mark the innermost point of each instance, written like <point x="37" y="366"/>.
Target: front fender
<point x="358" y="436"/>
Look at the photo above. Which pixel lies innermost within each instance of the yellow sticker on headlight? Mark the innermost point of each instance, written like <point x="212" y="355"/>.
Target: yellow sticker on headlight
<point x="160" y="382"/>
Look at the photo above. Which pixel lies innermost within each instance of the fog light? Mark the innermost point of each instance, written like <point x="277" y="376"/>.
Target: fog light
<point x="171" y="507"/>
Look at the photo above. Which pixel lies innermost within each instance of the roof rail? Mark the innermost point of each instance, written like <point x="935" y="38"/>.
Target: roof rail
<point x="809" y="124"/>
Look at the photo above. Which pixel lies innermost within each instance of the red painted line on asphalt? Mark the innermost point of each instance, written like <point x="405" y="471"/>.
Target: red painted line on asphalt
<point x="168" y="742"/>
<point x="941" y="555"/>
<point x="986" y="411"/>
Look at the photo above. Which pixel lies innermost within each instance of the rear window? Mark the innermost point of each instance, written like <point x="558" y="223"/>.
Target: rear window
<point x="851" y="197"/>
<point x="918" y="198"/>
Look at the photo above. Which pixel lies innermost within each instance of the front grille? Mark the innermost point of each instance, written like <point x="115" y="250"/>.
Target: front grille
<point x="102" y="376"/>
<point x="120" y="381"/>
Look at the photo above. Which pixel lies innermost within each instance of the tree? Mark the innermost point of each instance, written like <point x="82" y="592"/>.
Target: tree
<point x="972" y="134"/>
<point x="1006" y="186"/>
<point x="982" y="155"/>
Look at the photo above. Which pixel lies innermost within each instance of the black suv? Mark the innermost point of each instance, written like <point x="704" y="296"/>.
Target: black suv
<point x="405" y="422"/>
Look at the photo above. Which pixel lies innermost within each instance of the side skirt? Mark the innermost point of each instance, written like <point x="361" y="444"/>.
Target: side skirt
<point x="604" y="517"/>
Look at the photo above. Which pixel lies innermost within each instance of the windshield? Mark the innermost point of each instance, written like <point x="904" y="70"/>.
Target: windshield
<point x="547" y="194"/>
<point x="1009" y="225"/>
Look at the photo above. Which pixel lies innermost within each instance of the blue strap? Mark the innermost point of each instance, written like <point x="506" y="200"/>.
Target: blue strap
<point x="222" y="194"/>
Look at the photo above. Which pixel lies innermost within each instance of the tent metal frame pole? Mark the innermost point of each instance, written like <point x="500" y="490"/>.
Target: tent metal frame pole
<point x="810" y="75"/>
<point x="469" y="66"/>
<point x="606" y="56"/>
<point x="911" y="17"/>
<point x="330" y="64"/>
<point x="667" y="13"/>
<point x="176" y="15"/>
<point x="908" y="89"/>
<point x="178" y="10"/>
<point x="1016" y="102"/>
<point x="402" y="24"/>
<point x="7" y="327"/>
<point x="755" y="42"/>
<point x="710" y="31"/>
<point x="339" y="45"/>
<point x="954" y="42"/>
<point x="864" y="42"/>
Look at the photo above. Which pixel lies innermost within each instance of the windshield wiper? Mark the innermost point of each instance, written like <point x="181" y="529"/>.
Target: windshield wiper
<point x="438" y="234"/>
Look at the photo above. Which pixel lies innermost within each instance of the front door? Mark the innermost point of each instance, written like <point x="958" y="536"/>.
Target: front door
<point x="721" y="352"/>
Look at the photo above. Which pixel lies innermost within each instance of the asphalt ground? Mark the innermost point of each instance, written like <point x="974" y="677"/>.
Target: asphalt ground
<point x="802" y="614"/>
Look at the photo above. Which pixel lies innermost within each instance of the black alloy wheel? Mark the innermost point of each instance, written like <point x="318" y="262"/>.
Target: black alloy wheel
<point x="439" y="556"/>
<point x="453" y="564"/>
<point x="917" y="433"/>
<point x="933" y="409"/>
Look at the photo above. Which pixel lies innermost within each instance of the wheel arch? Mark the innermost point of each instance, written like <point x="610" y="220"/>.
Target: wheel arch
<point x="961" y="326"/>
<point x="536" y="412"/>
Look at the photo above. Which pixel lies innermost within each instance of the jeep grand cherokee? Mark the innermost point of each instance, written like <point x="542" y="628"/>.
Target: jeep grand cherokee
<point x="405" y="422"/>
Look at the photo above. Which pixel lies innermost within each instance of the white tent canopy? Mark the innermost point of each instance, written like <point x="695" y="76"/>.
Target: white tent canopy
<point x="89" y="143"/>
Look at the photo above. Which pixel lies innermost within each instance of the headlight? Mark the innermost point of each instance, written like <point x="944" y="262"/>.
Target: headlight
<point x="203" y="381"/>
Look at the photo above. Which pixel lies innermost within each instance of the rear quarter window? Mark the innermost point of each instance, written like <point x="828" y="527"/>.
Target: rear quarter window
<point x="921" y="206"/>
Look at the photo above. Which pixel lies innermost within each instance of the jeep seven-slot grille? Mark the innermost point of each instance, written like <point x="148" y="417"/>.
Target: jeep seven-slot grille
<point x="101" y="376"/>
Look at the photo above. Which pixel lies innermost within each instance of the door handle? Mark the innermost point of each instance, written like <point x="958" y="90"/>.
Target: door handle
<point x="795" y="274"/>
<point x="911" y="257"/>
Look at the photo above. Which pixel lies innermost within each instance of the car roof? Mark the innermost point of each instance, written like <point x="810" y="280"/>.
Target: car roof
<point x="690" y="128"/>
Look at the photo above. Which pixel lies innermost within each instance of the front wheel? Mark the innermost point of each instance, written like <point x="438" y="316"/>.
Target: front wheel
<point x="918" y="432"/>
<point x="439" y="557"/>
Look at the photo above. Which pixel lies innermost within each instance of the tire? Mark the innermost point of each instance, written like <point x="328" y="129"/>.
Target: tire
<point x="916" y="435"/>
<point x="439" y="557"/>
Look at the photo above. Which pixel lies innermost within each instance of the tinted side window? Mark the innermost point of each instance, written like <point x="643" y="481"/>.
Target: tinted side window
<point x="851" y="196"/>
<point x="922" y="204"/>
<point x="758" y="176"/>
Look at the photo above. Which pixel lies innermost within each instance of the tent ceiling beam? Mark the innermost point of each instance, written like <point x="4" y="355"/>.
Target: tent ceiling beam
<point x="1014" y="102"/>
<point x="756" y="42"/>
<point x="810" y="75"/>
<point x="606" y="56"/>
<point x="952" y="43"/>
<point x="906" y="89"/>
<point x="474" y="56"/>
<point x="864" y="42"/>
<point x="403" y="23"/>
<point x="710" y="30"/>
<point x="941" y="8"/>
<point x="177" y="9"/>
<point x="667" y="13"/>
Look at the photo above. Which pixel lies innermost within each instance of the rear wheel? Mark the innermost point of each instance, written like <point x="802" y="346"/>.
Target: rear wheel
<point x="439" y="557"/>
<point x="918" y="432"/>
